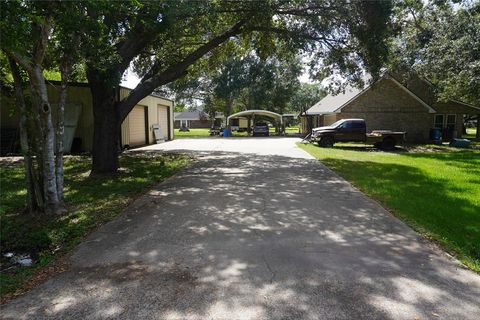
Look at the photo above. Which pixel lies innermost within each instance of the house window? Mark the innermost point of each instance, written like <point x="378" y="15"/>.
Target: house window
<point x="184" y="123"/>
<point x="451" y="120"/>
<point x="439" y="120"/>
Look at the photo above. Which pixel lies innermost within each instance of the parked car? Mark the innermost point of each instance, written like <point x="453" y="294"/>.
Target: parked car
<point x="355" y="130"/>
<point x="260" y="128"/>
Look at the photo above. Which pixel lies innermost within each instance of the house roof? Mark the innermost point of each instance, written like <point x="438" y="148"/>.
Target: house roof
<point x="334" y="103"/>
<point x="87" y="85"/>
<point x="188" y="115"/>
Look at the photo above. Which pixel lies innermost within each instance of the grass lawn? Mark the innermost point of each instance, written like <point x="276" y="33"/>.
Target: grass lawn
<point x="202" y="132"/>
<point x="91" y="202"/>
<point x="436" y="191"/>
<point x="471" y="133"/>
<point x="292" y="129"/>
<point x="198" y="133"/>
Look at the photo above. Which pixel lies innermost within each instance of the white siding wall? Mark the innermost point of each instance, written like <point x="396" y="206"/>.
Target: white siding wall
<point x="152" y="103"/>
<point x="162" y="120"/>
<point x="136" y="122"/>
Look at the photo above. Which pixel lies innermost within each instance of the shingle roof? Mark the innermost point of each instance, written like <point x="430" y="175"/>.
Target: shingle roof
<point x="331" y="103"/>
<point x="188" y="115"/>
<point x="334" y="103"/>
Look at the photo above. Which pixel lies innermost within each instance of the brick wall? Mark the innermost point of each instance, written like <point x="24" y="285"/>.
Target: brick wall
<point x="385" y="106"/>
<point x="194" y="124"/>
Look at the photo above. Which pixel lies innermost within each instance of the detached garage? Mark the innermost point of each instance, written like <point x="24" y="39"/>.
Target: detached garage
<point x="138" y="126"/>
<point x="137" y="129"/>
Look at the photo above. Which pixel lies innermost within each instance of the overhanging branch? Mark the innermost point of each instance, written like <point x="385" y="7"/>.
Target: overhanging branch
<point x="149" y="82"/>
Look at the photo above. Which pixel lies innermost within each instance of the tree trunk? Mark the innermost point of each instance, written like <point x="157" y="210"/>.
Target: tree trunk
<point x="52" y="203"/>
<point x="59" y="141"/>
<point x="37" y="130"/>
<point x="106" y="131"/>
<point x="25" y="146"/>
<point x="65" y="70"/>
<point x="228" y="112"/>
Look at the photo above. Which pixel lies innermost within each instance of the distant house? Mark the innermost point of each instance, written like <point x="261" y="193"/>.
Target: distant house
<point x="192" y="119"/>
<point x="136" y="129"/>
<point x="387" y="104"/>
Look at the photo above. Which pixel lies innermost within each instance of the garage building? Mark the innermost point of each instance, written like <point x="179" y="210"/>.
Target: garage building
<point x="137" y="129"/>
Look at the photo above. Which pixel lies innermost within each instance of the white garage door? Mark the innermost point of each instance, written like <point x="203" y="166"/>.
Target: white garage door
<point x="136" y="124"/>
<point x="163" y="120"/>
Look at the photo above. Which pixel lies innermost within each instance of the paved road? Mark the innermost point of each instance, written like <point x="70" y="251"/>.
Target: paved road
<point x="249" y="236"/>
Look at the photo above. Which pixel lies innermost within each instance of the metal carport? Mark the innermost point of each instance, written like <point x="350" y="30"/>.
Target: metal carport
<point x="250" y="114"/>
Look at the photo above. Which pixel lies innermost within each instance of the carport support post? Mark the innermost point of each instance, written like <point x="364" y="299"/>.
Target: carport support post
<point x="478" y="127"/>
<point x="249" y="125"/>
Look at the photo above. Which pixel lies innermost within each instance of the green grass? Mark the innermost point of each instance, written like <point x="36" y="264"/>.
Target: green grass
<point x="292" y="129"/>
<point x="437" y="193"/>
<point x="198" y="133"/>
<point x="471" y="133"/>
<point x="91" y="202"/>
<point x="202" y="132"/>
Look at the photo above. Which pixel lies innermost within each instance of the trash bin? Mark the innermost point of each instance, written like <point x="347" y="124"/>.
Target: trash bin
<point x="436" y="134"/>
<point x="226" y="133"/>
<point x="460" y="143"/>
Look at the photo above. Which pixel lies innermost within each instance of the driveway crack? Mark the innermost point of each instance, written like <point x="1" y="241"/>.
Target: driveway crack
<point x="273" y="273"/>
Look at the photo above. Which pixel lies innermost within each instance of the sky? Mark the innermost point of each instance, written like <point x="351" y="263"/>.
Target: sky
<point x="130" y="79"/>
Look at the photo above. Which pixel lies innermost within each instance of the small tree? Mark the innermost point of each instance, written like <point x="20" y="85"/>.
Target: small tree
<point x="30" y="30"/>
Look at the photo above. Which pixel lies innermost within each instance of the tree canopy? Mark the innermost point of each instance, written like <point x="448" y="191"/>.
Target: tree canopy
<point x="440" y="40"/>
<point x="248" y="82"/>
<point x="167" y="39"/>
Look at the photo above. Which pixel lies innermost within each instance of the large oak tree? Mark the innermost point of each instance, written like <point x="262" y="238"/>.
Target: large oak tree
<point x="164" y="39"/>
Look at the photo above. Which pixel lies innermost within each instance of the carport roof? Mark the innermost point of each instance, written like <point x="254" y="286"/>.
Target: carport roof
<point x="255" y="112"/>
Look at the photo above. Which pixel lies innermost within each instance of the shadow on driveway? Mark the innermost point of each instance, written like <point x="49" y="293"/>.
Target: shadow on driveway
<point x="255" y="237"/>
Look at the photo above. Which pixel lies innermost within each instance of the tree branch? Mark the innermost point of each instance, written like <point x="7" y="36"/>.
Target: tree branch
<point x="149" y="82"/>
<point x="293" y="33"/>
<point x="40" y="46"/>
<point x="23" y="61"/>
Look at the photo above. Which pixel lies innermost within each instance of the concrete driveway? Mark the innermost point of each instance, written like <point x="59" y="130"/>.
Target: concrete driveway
<point x="255" y="236"/>
<point x="264" y="146"/>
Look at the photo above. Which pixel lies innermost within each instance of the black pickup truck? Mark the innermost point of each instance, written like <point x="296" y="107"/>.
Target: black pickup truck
<point x="355" y="130"/>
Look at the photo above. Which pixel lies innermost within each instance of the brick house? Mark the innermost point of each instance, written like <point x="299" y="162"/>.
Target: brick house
<point x="387" y="104"/>
<point x="192" y="119"/>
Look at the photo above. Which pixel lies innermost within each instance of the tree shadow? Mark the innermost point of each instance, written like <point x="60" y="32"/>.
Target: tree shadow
<point x="433" y="205"/>
<point x="361" y="147"/>
<point x="257" y="237"/>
